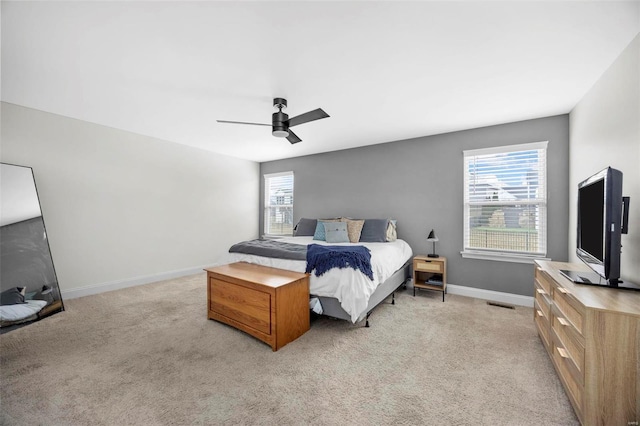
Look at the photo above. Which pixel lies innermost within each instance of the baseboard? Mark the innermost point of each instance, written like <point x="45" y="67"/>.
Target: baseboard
<point x="479" y="293"/>
<point x="129" y="282"/>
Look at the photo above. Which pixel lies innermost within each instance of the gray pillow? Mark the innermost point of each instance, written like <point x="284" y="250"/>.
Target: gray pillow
<point x="13" y="296"/>
<point x="336" y="232"/>
<point x="374" y="231"/>
<point x="305" y="228"/>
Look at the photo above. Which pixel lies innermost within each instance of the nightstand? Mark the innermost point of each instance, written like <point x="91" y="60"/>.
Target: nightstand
<point x="430" y="273"/>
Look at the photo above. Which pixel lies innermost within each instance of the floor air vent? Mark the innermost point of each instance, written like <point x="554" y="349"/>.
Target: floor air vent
<point x="500" y="304"/>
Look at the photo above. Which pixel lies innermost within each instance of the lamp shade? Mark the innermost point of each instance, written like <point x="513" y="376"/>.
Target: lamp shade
<point x="432" y="238"/>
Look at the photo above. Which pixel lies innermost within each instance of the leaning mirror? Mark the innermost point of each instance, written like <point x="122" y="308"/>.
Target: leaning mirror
<point x="28" y="285"/>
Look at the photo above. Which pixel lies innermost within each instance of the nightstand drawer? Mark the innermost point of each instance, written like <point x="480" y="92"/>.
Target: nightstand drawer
<point x="425" y="265"/>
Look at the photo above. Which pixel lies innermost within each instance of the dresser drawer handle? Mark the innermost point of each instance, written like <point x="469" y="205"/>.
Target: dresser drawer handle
<point x="563" y="353"/>
<point x="541" y="291"/>
<point x="540" y="313"/>
<point x="563" y="290"/>
<point x="563" y="322"/>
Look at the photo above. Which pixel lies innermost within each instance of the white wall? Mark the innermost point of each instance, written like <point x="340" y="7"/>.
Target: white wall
<point x="121" y="208"/>
<point x="605" y="131"/>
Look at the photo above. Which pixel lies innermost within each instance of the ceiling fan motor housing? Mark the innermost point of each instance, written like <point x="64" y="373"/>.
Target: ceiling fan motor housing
<point x="279" y="120"/>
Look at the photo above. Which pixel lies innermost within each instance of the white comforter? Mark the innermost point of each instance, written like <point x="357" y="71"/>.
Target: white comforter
<point x="351" y="287"/>
<point x="21" y="311"/>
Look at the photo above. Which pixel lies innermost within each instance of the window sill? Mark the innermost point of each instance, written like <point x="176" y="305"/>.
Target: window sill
<point x="501" y="257"/>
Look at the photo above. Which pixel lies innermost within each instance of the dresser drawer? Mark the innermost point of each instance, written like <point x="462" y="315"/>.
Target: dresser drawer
<point x="569" y="308"/>
<point x="542" y="280"/>
<point x="245" y="305"/>
<point x="565" y="335"/>
<point x="542" y="323"/>
<point x="543" y="300"/>
<point x="427" y="266"/>
<point x="574" y="386"/>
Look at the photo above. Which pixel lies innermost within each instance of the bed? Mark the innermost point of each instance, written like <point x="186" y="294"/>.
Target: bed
<point x="345" y="293"/>
<point x="19" y="313"/>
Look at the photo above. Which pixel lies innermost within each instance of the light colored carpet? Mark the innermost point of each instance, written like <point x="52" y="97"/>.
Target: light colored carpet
<point x="148" y="355"/>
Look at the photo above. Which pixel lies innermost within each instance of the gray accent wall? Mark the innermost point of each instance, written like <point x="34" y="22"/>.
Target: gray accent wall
<point x="419" y="183"/>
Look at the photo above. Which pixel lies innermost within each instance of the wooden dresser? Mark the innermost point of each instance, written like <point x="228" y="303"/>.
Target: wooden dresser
<point x="268" y="303"/>
<point x="592" y="335"/>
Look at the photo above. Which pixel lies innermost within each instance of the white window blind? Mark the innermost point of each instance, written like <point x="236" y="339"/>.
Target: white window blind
<point x="505" y="200"/>
<point x="278" y="203"/>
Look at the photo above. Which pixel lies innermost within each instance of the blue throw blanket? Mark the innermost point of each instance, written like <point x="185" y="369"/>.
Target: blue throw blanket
<point x="323" y="258"/>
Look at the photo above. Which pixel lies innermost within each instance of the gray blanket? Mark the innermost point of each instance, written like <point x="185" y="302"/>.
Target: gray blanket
<point x="271" y="248"/>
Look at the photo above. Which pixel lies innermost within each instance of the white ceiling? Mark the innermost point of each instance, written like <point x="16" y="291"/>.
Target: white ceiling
<point x="383" y="71"/>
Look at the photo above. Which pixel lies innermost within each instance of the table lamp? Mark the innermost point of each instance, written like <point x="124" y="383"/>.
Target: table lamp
<point x="432" y="238"/>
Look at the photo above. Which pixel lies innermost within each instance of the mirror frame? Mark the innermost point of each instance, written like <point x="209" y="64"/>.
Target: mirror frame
<point x="44" y="265"/>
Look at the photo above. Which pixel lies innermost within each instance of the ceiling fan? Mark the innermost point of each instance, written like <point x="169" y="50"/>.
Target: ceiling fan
<point x="281" y="123"/>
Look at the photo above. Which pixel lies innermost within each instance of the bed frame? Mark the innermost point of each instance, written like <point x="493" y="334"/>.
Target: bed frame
<point x="331" y="306"/>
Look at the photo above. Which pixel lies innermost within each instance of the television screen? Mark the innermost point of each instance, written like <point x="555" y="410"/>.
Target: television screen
<point x="602" y="218"/>
<point x="591" y="211"/>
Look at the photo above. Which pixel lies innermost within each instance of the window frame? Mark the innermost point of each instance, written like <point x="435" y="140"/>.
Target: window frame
<point x="503" y="254"/>
<point x="267" y="232"/>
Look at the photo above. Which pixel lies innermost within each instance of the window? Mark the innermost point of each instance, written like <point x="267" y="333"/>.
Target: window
<point x="505" y="202"/>
<point x="278" y="204"/>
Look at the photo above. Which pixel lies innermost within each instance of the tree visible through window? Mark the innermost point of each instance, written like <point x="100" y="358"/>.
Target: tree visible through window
<point x="278" y="203"/>
<point x="505" y="200"/>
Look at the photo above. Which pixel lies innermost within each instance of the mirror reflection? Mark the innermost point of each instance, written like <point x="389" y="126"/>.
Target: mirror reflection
<point x="28" y="285"/>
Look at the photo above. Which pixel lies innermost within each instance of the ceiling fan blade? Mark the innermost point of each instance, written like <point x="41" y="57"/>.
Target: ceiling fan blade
<point x="293" y="138"/>
<point x="316" y="114"/>
<point x="242" y="122"/>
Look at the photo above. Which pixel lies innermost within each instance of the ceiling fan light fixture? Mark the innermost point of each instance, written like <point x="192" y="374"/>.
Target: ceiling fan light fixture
<point x="279" y="127"/>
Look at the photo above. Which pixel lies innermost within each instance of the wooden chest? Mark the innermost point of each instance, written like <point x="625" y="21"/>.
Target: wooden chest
<point x="268" y="303"/>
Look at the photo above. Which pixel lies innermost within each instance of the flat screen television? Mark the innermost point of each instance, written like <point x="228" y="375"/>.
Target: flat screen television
<point x="603" y="216"/>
